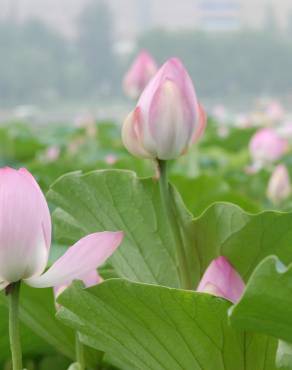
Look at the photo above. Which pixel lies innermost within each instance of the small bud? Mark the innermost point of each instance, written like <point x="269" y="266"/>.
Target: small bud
<point x="222" y="280"/>
<point x="266" y="146"/>
<point x="279" y="187"/>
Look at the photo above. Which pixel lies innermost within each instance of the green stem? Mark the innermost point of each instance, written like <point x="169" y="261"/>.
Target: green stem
<point x="14" y="335"/>
<point x="79" y="347"/>
<point x="185" y="278"/>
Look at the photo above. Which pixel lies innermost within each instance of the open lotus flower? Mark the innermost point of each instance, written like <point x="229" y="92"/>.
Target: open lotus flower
<point x="222" y="280"/>
<point x="279" y="187"/>
<point x="168" y="118"/>
<point x="140" y="73"/>
<point x="266" y="146"/>
<point x="25" y="237"/>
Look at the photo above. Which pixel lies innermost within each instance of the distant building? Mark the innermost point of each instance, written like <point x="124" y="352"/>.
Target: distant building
<point x="132" y="17"/>
<point x="219" y="15"/>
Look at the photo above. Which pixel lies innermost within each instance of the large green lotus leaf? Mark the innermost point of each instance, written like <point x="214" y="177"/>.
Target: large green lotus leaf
<point x="152" y="327"/>
<point x="266" y="305"/>
<point x="118" y="200"/>
<point x="265" y="234"/>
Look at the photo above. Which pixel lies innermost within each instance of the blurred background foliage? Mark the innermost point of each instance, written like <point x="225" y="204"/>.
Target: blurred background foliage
<point x="216" y="170"/>
<point x="243" y="62"/>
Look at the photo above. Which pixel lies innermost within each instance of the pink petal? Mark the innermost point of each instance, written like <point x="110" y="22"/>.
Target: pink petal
<point x="132" y="133"/>
<point x="222" y="280"/>
<point x="172" y="70"/>
<point x="90" y="279"/>
<point x="86" y="255"/>
<point x="25" y="226"/>
<point x="171" y="122"/>
<point x="202" y="125"/>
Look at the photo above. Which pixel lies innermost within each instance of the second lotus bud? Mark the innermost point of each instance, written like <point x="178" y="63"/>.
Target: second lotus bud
<point x="168" y="118"/>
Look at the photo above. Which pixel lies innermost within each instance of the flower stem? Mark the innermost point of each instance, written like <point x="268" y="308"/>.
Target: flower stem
<point x="14" y="335"/>
<point x="79" y="347"/>
<point x="168" y="205"/>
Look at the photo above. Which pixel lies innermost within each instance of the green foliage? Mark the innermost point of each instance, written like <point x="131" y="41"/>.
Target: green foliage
<point x="118" y="200"/>
<point x="266" y="304"/>
<point x="153" y="321"/>
<point x="153" y="327"/>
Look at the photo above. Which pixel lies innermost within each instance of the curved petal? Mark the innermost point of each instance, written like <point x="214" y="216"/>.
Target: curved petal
<point x="132" y="132"/>
<point x="202" y="125"/>
<point x="173" y="70"/>
<point x="222" y="280"/>
<point x="80" y="259"/>
<point x="25" y="226"/>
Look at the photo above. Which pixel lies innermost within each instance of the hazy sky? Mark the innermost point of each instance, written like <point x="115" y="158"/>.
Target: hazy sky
<point x="132" y="15"/>
<point x="59" y="13"/>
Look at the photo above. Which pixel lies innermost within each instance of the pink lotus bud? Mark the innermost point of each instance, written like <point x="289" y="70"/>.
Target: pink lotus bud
<point x="221" y="279"/>
<point x="279" y="187"/>
<point x="25" y="238"/>
<point x="168" y="118"/>
<point x="267" y="146"/>
<point x="140" y="73"/>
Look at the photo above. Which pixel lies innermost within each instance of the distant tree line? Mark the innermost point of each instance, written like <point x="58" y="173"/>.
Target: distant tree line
<point x="38" y="64"/>
<point x="245" y="62"/>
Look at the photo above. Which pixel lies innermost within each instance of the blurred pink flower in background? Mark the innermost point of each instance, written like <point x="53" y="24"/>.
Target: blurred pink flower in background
<point x="279" y="187"/>
<point x="222" y="280"/>
<point x="243" y="120"/>
<point x="219" y="113"/>
<point x="285" y="130"/>
<point x="168" y="118"/>
<point x="266" y="146"/>
<point x="275" y="111"/>
<point x="52" y="153"/>
<point x="84" y="119"/>
<point x="140" y="73"/>
<point x="111" y="159"/>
